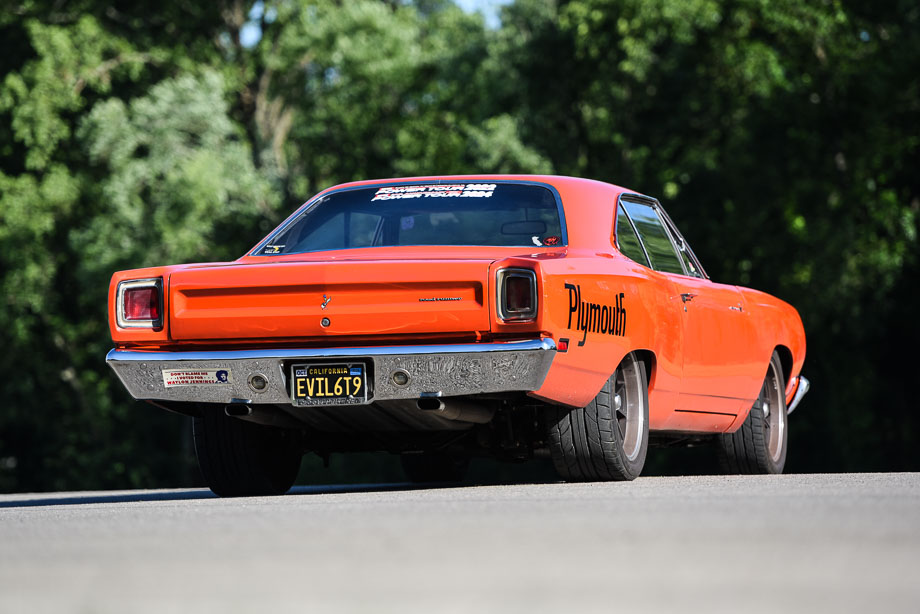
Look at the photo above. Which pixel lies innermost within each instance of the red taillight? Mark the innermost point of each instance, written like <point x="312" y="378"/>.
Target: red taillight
<point x="139" y="303"/>
<point x="142" y="304"/>
<point x="517" y="295"/>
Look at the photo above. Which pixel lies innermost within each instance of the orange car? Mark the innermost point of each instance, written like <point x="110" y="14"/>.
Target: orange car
<point x="445" y="317"/>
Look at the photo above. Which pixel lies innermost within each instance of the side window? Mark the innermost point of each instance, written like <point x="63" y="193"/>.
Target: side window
<point x="627" y="240"/>
<point x="655" y="238"/>
<point x="691" y="262"/>
<point x="692" y="269"/>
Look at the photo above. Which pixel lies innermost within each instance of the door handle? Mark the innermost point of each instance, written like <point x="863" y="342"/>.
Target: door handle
<point x="687" y="297"/>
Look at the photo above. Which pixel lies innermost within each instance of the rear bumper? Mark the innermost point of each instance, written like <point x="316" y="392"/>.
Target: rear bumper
<point x="434" y="370"/>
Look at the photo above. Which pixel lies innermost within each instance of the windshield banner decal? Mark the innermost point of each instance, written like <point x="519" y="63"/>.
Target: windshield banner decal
<point x="461" y="190"/>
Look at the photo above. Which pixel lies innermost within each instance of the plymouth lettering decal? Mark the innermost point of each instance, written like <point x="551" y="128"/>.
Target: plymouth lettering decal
<point x="595" y="317"/>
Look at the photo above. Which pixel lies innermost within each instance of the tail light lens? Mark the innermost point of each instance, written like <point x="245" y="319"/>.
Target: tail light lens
<point x="517" y="295"/>
<point x="140" y="303"/>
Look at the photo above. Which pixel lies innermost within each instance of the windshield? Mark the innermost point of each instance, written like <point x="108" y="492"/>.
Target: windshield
<point x="506" y="214"/>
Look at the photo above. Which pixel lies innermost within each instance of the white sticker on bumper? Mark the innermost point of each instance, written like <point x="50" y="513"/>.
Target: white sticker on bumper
<point x="191" y="377"/>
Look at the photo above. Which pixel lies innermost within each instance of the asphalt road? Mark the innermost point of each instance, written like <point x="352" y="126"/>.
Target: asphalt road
<point x="829" y="543"/>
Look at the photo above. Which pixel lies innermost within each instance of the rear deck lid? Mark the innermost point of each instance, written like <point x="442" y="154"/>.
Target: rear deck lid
<point x="317" y="299"/>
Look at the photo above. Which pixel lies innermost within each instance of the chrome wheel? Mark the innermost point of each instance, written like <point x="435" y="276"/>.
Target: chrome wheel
<point x="607" y="439"/>
<point x="773" y="410"/>
<point x="628" y="404"/>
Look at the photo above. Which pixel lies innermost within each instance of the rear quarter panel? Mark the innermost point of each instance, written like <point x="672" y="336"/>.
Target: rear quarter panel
<point x="140" y="336"/>
<point x="646" y="321"/>
<point x="604" y="277"/>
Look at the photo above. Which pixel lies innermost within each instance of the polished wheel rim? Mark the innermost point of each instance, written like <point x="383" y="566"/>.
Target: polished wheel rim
<point x="628" y="407"/>
<point x="774" y="415"/>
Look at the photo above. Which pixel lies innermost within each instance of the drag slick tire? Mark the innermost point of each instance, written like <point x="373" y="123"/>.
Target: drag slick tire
<point x="240" y="459"/>
<point x="607" y="439"/>
<point x="760" y="445"/>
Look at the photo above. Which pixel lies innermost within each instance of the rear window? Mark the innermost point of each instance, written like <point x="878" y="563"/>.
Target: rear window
<point x="504" y="214"/>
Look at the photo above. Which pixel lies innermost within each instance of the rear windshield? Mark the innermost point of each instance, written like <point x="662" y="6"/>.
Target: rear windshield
<point x="506" y="214"/>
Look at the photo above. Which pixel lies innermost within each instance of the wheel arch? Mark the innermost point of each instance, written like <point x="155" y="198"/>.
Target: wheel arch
<point x="785" y="361"/>
<point x="647" y="357"/>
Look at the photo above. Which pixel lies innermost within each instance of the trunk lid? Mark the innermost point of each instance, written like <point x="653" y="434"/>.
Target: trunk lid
<point x="359" y="298"/>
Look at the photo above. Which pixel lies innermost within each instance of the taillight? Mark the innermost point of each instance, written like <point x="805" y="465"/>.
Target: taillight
<point x="140" y="303"/>
<point x="517" y="295"/>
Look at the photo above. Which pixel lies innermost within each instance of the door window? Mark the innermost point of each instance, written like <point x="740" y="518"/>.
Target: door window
<point x="658" y="244"/>
<point x="627" y="241"/>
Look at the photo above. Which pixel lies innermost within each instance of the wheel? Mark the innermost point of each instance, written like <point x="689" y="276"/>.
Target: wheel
<point x="431" y="467"/>
<point x="240" y="459"/>
<point x="759" y="446"/>
<point x="608" y="438"/>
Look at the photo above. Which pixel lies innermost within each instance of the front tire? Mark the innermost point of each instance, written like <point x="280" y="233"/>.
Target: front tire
<point x="243" y="459"/>
<point x="760" y="445"/>
<point x="607" y="439"/>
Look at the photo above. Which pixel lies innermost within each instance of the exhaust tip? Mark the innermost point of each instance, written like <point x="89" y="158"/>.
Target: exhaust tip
<point x="430" y="403"/>
<point x="237" y="410"/>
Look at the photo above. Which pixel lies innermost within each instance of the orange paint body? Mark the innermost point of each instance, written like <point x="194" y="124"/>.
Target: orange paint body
<point x="708" y="355"/>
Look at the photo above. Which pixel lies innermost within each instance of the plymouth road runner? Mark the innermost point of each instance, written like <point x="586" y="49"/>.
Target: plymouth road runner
<point x="441" y="318"/>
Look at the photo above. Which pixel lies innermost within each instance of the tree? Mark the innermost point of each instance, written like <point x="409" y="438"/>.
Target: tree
<point x="781" y="136"/>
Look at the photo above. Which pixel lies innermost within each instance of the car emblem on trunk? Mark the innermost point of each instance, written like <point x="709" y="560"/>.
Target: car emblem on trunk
<point x="326" y="300"/>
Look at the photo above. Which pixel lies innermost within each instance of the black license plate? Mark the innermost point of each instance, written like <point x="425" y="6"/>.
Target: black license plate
<point x="329" y="384"/>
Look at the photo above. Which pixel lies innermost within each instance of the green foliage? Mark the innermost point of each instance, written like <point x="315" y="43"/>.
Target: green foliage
<point x="41" y="97"/>
<point x="174" y="172"/>
<point x="782" y="136"/>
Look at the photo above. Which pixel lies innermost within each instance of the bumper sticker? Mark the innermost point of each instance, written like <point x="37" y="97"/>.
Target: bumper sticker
<point x="191" y="377"/>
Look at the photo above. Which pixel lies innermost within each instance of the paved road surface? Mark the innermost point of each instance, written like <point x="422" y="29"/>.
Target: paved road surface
<point x="829" y="543"/>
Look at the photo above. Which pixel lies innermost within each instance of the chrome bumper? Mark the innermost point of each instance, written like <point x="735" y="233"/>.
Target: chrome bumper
<point x="801" y="388"/>
<point x="434" y="370"/>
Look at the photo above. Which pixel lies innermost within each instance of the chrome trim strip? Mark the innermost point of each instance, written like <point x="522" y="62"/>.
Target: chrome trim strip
<point x="116" y="355"/>
<point x="445" y="370"/>
<point x="801" y="389"/>
<point x="501" y="298"/>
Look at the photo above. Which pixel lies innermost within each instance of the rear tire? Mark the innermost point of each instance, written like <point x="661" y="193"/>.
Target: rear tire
<point x="241" y="459"/>
<point x="431" y="468"/>
<point x="608" y="438"/>
<point x="760" y="445"/>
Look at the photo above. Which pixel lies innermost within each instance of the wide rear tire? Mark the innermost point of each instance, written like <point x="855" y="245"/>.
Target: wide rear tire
<point x="608" y="438"/>
<point x="760" y="445"/>
<point x="240" y="459"/>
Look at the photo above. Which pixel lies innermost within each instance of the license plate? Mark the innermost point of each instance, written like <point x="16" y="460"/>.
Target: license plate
<point x="329" y="384"/>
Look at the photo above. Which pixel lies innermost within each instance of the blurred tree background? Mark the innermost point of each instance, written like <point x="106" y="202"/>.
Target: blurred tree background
<point x="783" y="137"/>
